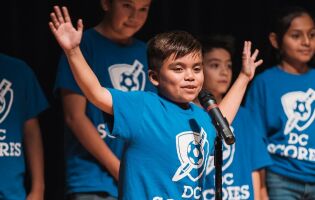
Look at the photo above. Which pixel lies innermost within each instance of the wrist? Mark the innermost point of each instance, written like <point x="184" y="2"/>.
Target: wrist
<point x="38" y="188"/>
<point x="244" y="78"/>
<point x="72" y="52"/>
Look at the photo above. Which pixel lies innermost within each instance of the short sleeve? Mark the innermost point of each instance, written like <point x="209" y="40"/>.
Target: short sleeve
<point x="35" y="100"/>
<point x="128" y="109"/>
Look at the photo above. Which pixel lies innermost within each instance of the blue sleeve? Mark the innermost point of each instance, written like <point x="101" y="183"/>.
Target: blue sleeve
<point x="128" y="113"/>
<point x="260" y="157"/>
<point x="35" y="99"/>
<point x="255" y="104"/>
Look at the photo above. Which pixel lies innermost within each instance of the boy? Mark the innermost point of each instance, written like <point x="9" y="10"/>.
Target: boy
<point x="119" y="61"/>
<point x="21" y="101"/>
<point x="168" y="138"/>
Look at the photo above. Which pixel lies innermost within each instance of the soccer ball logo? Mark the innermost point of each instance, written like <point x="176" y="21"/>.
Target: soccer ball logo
<point x="127" y="77"/>
<point x="192" y="151"/>
<point x="299" y="108"/>
<point x="127" y="81"/>
<point x="195" y="153"/>
<point x="6" y="98"/>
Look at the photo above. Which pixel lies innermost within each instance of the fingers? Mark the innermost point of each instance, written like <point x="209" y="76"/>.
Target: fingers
<point x="59" y="14"/>
<point x="52" y="27"/>
<point x="58" y="17"/>
<point x="66" y="14"/>
<point x="254" y="56"/>
<point x="54" y="20"/>
<point x="246" y="49"/>
<point x="80" y="25"/>
<point x="259" y="62"/>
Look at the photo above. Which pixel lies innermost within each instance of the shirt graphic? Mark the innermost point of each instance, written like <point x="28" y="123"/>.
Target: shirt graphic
<point x="127" y="77"/>
<point x="192" y="150"/>
<point x="6" y="99"/>
<point x="299" y="108"/>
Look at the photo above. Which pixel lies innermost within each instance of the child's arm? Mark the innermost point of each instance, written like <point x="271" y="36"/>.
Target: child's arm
<point x="259" y="185"/>
<point x="69" y="39"/>
<point x="35" y="159"/>
<point x="233" y="99"/>
<point x="74" y="106"/>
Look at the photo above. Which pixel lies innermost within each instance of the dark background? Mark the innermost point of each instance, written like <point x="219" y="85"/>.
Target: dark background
<point x="25" y="34"/>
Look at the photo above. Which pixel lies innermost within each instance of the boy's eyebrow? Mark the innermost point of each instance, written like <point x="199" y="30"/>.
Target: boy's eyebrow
<point x="131" y="1"/>
<point x="183" y="64"/>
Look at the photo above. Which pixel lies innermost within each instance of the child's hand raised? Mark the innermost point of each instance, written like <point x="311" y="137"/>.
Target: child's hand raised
<point x="61" y="26"/>
<point x="249" y="61"/>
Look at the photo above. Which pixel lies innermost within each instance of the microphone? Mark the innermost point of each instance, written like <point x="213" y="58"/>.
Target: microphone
<point x="209" y="103"/>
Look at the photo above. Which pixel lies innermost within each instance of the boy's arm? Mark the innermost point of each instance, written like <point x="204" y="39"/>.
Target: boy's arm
<point x="74" y="113"/>
<point x="259" y="185"/>
<point x="69" y="39"/>
<point x="35" y="159"/>
<point x="256" y="185"/>
<point x="233" y="99"/>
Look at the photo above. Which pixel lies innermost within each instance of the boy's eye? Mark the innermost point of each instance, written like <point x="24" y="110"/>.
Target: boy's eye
<point x="312" y="34"/>
<point x="229" y="65"/>
<point x="197" y="68"/>
<point x="145" y="9"/>
<point x="127" y="5"/>
<point x="178" y="69"/>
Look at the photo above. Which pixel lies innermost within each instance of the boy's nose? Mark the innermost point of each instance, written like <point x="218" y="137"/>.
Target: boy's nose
<point x="189" y="75"/>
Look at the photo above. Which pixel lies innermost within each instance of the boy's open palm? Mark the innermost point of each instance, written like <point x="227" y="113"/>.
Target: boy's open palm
<point x="249" y="60"/>
<point x="61" y="26"/>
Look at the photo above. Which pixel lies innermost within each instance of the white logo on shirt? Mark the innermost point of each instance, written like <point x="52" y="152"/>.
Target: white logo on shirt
<point x="192" y="151"/>
<point x="127" y="77"/>
<point x="298" y="108"/>
<point x="227" y="158"/>
<point x="6" y="99"/>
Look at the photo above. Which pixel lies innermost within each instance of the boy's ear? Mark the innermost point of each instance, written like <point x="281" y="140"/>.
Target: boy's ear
<point x="105" y="4"/>
<point x="153" y="77"/>
<point x="273" y="40"/>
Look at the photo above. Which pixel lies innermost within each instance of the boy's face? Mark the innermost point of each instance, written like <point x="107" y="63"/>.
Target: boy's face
<point x="126" y="17"/>
<point x="217" y="71"/>
<point x="180" y="80"/>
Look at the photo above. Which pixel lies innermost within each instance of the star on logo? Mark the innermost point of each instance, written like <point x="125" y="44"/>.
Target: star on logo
<point x="300" y="108"/>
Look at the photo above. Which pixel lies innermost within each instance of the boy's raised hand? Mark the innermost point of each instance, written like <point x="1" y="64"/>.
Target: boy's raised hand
<point x="61" y="26"/>
<point x="249" y="60"/>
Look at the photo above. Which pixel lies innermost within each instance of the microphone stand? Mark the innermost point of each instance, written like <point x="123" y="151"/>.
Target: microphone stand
<point x="218" y="167"/>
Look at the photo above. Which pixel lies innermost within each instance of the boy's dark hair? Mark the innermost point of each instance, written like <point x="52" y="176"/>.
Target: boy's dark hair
<point x="283" y="19"/>
<point x="225" y="42"/>
<point x="177" y="43"/>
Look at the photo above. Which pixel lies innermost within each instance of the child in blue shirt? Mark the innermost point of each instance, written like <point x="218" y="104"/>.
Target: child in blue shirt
<point x="119" y="61"/>
<point x="244" y="160"/>
<point x="282" y="100"/>
<point x="168" y="138"/>
<point x="21" y="101"/>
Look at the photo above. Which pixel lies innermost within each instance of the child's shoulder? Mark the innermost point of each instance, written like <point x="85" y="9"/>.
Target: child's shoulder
<point x="271" y="71"/>
<point x="14" y="64"/>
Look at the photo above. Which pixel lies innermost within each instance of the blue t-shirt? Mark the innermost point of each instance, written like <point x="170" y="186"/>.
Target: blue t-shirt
<point x="284" y="107"/>
<point x="117" y="66"/>
<point x="167" y="147"/>
<point x="21" y="99"/>
<point x="240" y="159"/>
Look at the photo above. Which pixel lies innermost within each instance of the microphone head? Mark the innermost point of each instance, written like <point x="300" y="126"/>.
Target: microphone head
<point x="205" y="97"/>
